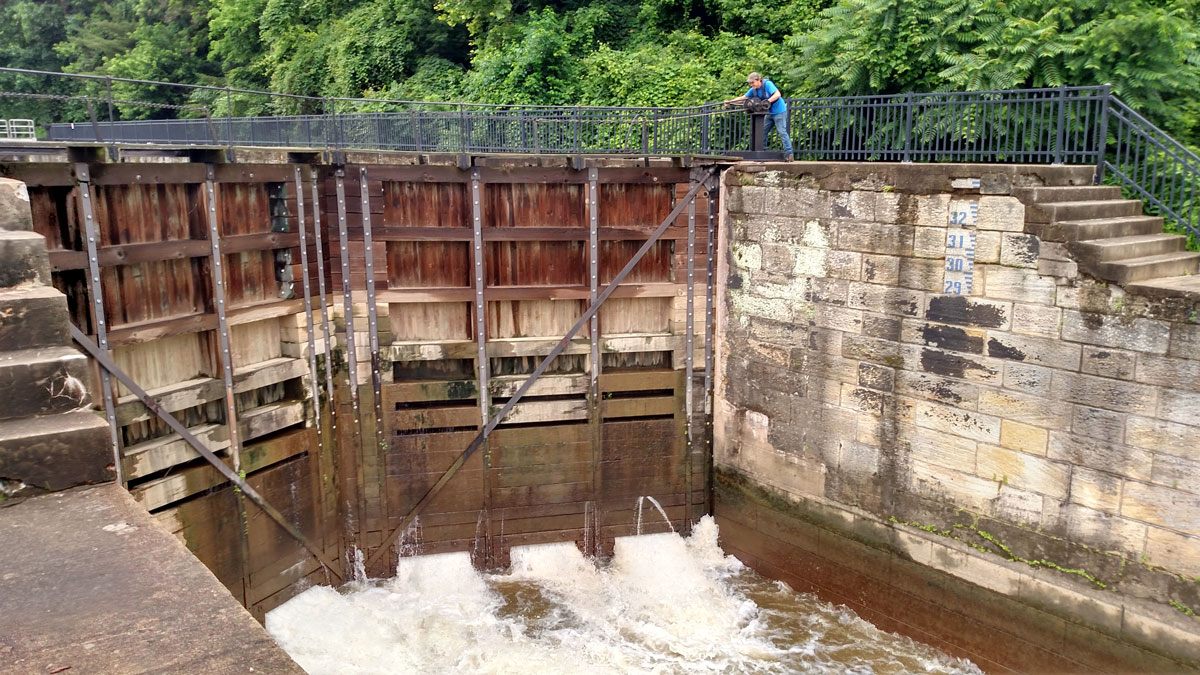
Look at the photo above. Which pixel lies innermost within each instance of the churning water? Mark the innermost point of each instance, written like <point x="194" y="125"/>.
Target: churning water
<point x="664" y="604"/>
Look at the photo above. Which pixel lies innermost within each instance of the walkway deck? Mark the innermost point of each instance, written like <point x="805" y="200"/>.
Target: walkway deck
<point x="89" y="583"/>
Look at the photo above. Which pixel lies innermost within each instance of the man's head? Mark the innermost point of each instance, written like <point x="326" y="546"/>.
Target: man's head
<point x="754" y="80"/>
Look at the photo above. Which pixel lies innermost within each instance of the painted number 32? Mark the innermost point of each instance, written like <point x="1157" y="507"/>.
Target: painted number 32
<point x="958" y="218"/>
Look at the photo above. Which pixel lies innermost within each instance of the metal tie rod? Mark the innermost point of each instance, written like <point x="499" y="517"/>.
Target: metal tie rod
<point x="554" y="353"/>
<point x="108" y="364"/>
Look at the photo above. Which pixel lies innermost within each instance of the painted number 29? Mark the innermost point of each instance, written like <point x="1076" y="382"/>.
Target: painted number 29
<point x="954" y="287"/>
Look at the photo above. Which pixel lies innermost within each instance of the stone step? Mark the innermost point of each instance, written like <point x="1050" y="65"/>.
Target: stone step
<point x="32" y="316"/>
<point x="1149" y="267"/>
<point x="1187" y="287"/>
<point x="23" y="259"/>
<point x="1068" y="193"/>
<point x="55" y="452"/>
<point x="1056" y="212"/>
<point x="42" y="381"/>
<point x="1122" y="248"/>
<point x="1097" y="228"/>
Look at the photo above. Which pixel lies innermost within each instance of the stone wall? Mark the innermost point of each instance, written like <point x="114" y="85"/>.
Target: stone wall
<point x="1033" y="421"/>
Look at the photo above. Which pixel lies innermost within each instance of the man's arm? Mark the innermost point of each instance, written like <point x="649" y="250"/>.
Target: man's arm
<point x="773" y="91"/>
<point x="735" y="99"/>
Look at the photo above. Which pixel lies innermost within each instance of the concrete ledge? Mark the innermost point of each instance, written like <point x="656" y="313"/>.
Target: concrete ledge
<point x="90" y="583"/>
<point x="1032" y="619"/>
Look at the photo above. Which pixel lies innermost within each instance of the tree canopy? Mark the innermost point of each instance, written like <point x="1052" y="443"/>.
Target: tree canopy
<point x="611" y="52"/>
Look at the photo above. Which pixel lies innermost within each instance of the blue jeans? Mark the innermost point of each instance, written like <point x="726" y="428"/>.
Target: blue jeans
<point x="780" y="122"/>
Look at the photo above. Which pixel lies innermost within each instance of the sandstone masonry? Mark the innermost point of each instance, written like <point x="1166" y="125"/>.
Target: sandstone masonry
<point x="1004" y="402"/>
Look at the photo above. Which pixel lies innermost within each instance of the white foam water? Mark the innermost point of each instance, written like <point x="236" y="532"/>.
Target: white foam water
<point x="664" y="604"/>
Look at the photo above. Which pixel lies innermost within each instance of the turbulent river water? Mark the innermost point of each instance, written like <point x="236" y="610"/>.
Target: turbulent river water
<point x="663" y="604"/>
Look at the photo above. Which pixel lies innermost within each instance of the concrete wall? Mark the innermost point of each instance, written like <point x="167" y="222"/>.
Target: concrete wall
<point x="1036" y="435"/>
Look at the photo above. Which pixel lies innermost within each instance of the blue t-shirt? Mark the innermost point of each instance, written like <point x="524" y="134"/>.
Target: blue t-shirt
<point x="767" y="90"/>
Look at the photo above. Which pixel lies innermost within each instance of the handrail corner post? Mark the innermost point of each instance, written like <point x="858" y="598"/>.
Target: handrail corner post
<point x="1102" y="134"/>
<point x="1060" y="130"/>
<point x="908" y="124"/>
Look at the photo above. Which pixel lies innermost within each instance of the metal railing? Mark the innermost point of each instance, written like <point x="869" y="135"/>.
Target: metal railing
<point x="1062" y="125"/>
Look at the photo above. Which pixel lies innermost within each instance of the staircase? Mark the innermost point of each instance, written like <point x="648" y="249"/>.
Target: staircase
<point x="50" y="439"/>
<point x="1111" y="239"/>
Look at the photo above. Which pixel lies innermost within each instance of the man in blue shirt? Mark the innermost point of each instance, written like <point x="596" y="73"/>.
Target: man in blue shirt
<point x="776" y="116"/>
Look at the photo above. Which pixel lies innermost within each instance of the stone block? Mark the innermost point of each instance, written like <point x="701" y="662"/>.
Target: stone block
<point x="838" y="318"/>
<point x="929" y="242"/>
<point x="15" y="213"/>
<point x="855" y="205"/>
<point x="881" y="269"/>
<point x="1177" y="552"/>
<point x="828" y="291"/>
<point x="858" y="459"/>
<point x="1096" y="489"/>
<point x="940" y="449"/>
<point x="1176" y="439"/>
<point x="32" y="317"/>
<point x="885" y="299"/>
<point x="1036" y="350"/>
<point x="887" y="207"/>
<point x="963" y="311"/>
<point x="778" y="258"/>
<point x="1062" y="270"/>
<point x="1104" y="531"/>
<point x="952" y="420"/>
<point x="1102" y="392"/>
<point x="926" y="210"/>
<point x="1019" y="250"/>
<point x="1099" y="423"/>
<point x="754" y="199"/>
<point x="23" y="259"/>
<point x="1107" y="362"/>
<point x="1018" y="407"/>
<point x="844" y="265"/>
<point x="55" y="452"/>
<point x="1023" y="471"/>
<point x="42" y="381"/>
<point x="882" y="327"/>
<point x="1162" y="506"/>
<point x="1024" y="437"/>
<point x="1101" y="455"/>
<point x="987" y="247"/>
<point x="953" y="338"/>
<point x="882" y="238"/>
<point x="1063" y="600"/>
<point x="873" y="376"/>
<point x="1180" y="473"/>
<point x="810" y="262"/>
<point x="1037" y="320"/>
<point x="863" y="400"/>
<point x="1005" y="214"/>
<point x="922" y="274"/>
<point x="940" y="389"/>
<point x="950" y="364"/>
<point x="1169" y="372"/>
<point x="746" y="256"/>
<point x="959" y="487"/>
<point x="1027" y="379"/>
<point x="875" y="350"/>
<point x="1185" y="341"/>
<point x="799" y="202"/>
<point x="1179" y="406"/>
<point x="1143" y="335"/>
<point x="1019" y="285"/>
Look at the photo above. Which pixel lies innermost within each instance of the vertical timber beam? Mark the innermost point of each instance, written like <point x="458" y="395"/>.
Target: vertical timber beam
<point x="373" y="343"/>
<point x="308" y="310"/>
<point x="689" y="367"/>
<point x="709" y="329"/>
<point x="83" y="186"/>
<point x="226" y="356"/>
<point x="330" y="465"/>
<point x="595" y="397"/>
<point x="351" y="357"/>
<point x="482" y="367"/>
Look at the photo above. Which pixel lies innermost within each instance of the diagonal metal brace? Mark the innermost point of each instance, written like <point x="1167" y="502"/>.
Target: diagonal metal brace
<point x="108" y="364"/>
<point x="554" y="353"/>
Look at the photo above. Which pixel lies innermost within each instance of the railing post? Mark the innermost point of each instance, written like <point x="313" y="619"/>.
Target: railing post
<point x="1061" y="126"/>
<point x="1102" y="141"/>
<point x="112" y="127"/>
<point x="229" y="121"/>
<point x="645" y="137"/>
<point x="908" y="124"/>
<point x="462" y="128"/>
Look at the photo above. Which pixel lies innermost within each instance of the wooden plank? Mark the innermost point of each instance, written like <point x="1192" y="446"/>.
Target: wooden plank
<point x="638" y="380"/>
<point x="638" y="407"/>
<point x="129" y="254"/>
<point x="263" y="241"/>
<point x="147" y="174"/>
<point x="427" y="234"/>
<point x="163" y="491"/>
<point x="499" y="293"/>
<point x="435" y="350"/>
<point x="433" y="418"/>
<point x="155" y="455"/>
<point x="147" y="331"/>
<point x="198" y="391"/>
